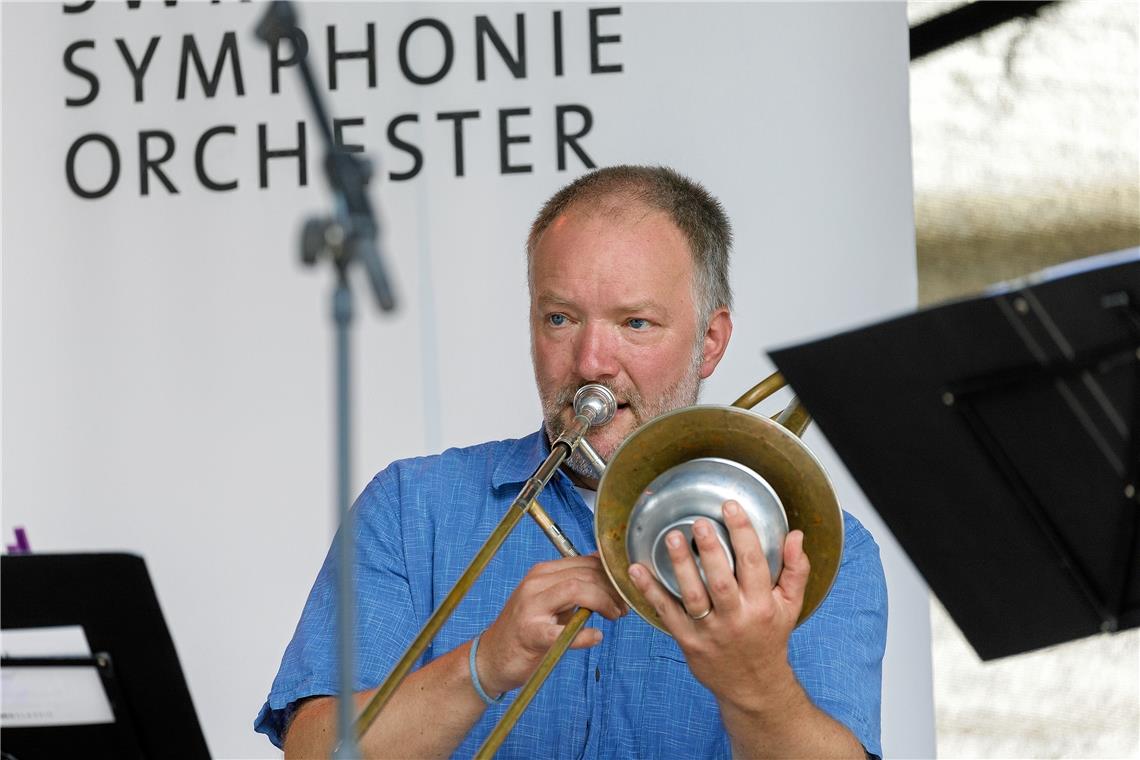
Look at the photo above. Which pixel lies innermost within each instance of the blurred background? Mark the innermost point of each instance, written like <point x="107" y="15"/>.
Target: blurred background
<point x="1025" y="155"/>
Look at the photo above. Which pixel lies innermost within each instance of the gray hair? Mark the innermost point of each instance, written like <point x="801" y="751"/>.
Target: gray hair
<point x="696" y="213"/>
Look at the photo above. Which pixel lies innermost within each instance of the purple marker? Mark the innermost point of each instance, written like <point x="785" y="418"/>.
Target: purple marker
<point x="21" y="546"/>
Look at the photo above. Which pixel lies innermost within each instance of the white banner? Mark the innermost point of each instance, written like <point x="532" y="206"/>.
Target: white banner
<point x="167" y="361"/>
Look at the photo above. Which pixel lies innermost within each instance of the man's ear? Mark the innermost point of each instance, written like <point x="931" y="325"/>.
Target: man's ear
<point x="716" y="341"/>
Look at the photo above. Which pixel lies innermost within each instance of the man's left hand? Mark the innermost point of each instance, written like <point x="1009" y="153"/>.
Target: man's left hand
<point x="738" y="650"/>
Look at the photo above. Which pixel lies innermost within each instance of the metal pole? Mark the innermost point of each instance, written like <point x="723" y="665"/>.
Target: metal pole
<point x="346" y="625"/>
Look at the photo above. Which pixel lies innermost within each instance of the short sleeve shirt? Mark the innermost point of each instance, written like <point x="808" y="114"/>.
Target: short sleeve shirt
<point x="417" y="525"/>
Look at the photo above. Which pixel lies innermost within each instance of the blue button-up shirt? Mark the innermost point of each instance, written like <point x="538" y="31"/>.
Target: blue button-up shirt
<point x="417" y="526"/>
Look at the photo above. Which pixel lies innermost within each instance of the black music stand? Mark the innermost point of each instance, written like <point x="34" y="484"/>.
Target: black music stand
<point x="111" y="596"/>
<point x="999" y="438"/>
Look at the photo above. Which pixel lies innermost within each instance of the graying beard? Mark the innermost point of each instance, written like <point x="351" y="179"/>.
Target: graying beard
<point x="552" y="420"/>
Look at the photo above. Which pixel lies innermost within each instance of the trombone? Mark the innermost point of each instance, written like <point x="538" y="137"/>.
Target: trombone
<point x="675" y="469"/>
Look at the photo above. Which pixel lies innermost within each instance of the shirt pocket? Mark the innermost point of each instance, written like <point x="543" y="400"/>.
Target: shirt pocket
<point x="665" y="647"/>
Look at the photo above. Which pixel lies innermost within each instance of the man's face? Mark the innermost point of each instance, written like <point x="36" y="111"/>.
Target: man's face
<point x="612" y="303"/>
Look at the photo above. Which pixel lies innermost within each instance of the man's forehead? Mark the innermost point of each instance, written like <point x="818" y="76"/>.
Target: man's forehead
<point x="616" y="211"/>
<point x="620" y="259"/>
<point x="619" y="214"/>
<point x="622" y="208"/>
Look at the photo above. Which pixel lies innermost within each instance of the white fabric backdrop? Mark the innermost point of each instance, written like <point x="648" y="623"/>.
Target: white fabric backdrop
<point x="167" y="361"/>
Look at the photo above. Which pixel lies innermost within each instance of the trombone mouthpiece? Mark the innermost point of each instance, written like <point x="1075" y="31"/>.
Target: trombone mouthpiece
<point x="596" y="402"/>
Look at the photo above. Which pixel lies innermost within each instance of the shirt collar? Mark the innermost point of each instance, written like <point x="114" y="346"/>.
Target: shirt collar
<point x="521" y="458"/>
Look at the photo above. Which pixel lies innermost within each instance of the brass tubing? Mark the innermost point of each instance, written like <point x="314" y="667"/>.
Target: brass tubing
<point x="760" y="391"/>
<point x="523" y="502"/>
<point x="795" y="417"/>
<point x="591" y="456"/>
<point x="573" y="432"/>
<point x="563" y="544"/>
<point x="495" y="739"/>
<point x="437" y="619"/>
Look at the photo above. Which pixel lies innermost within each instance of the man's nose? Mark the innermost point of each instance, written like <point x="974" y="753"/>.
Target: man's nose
<point x="596" y="355"/>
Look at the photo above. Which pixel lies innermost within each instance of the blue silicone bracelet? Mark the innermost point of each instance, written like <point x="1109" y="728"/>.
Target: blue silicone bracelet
<point x="475" y="676"/>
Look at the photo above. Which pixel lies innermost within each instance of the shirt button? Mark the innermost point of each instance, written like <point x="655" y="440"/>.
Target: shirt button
<point x="598" y="673"/>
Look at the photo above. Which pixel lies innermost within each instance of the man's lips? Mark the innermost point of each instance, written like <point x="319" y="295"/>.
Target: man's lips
<point x="622" y="408"/>
<point x="621" y="412"/>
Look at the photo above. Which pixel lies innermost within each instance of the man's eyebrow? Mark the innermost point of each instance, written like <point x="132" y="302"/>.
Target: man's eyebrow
<point x="552" y="299"/>
<point x="643" y="306"/>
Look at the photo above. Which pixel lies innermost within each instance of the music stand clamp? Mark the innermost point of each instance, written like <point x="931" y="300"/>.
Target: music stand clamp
<point x="999" y="439"/>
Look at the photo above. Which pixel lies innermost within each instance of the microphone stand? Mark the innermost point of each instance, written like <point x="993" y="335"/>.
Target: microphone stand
<point x="349" y="234"/>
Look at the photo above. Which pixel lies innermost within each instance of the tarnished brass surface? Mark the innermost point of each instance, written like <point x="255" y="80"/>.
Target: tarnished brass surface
<point x="733" y="433"/>
<point x="760" y="391"/>
<point x="794" y="417"/>
<point x="598" y="406"/>
<point x="550" y="528"/>
<point x="424" y="638"/>
<point x="729" y="432"/>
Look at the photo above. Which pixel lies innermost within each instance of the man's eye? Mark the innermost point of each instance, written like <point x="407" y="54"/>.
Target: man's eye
<point x="556" y="320"/>
<point x="637" y="323"/>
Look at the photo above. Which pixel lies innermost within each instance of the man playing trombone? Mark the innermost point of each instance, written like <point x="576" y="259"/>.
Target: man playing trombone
<point x="628" y="276"/>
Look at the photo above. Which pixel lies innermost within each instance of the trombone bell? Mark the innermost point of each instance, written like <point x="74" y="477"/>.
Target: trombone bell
<point x="766" y="448"/>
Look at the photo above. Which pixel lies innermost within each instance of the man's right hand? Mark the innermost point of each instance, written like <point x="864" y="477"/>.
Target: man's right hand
<point x="535" y="614"/>
<point x="509" y="652"/>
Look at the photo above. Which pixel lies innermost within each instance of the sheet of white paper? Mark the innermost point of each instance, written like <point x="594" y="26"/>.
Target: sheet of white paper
<point x="53" y="696"/>
<point x="57" y="641"/>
